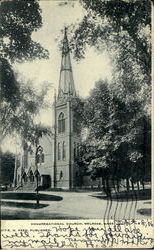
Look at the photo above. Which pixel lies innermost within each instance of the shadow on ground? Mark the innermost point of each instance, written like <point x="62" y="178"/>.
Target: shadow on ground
<point x="127" y="195"/>
<point x="22" y="205"/>
<point x="24" y="215"/>
<point x="147" y="202"/>
<point x="30" y="196"/>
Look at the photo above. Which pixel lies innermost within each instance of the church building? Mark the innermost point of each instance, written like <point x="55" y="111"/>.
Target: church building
<point x="55" y="164"/>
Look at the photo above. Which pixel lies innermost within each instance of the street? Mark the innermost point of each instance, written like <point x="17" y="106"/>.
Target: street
<point x="72" y="205"/>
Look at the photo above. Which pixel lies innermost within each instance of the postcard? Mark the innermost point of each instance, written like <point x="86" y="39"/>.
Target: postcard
<point x="76" y="116"/>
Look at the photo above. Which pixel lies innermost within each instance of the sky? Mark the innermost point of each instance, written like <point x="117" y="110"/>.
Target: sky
<point x="55" y="16"/>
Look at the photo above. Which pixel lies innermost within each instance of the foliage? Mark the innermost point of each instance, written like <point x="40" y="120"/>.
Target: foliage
<point x="123" y="24"/>
<point x="78" y="114"/>
<point x="7" y="167"/>
<point x="123" y="29"/>
<point x="9" y="85"/>
<point x="118" y="143"/>
<point x="18" y="117"/>
<point x="78" y="107"/>
<point x="32" y="134"/>
<point x="87" y="154"/>
<point x="19" y="19"/>
<point x="117" y="114"/>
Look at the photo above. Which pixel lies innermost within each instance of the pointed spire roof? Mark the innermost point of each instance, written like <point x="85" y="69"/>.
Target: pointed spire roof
<point x="66" y="82"/>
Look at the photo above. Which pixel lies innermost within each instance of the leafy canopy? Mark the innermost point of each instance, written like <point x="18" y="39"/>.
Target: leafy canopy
<point x="118" y="141"/>
<point x="19" y="19"/>
<point x="116" y="24"/>
<point x="19" y="103"/>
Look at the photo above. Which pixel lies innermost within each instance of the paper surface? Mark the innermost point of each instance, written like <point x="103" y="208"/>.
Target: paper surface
<point x="76" y="233"/>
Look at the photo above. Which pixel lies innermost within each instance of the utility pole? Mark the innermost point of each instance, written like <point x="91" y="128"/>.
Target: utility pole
<point x="55" y="141"/>
<point x="38" y="159"/>
<point x="37" y="194"/>
<point x="15" y="172"/>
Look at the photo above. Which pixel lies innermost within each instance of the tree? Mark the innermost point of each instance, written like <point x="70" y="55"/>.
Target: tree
<point x="83" y="160"/>
<point x="17" y="116"/>
<point x="123" y="29"/>
<point x="118" y="141"/>
<point x="126" y="23"/>
<point x="19" y="19"/>
<point x="120" y="121"/>
<point x="7" y="167"/>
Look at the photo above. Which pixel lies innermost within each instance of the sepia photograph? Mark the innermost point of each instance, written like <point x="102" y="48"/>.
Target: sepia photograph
<point x="75" y="110"/>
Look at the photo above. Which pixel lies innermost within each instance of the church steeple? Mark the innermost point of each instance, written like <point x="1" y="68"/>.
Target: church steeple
<point x="66" y="82"/>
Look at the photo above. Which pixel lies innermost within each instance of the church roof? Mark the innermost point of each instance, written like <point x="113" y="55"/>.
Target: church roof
<point x="66" y="82"/>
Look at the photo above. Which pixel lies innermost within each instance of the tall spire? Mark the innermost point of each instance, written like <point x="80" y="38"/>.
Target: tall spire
<point x="66" y="82"/>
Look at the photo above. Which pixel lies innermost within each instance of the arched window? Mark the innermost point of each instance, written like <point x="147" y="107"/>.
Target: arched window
<point x="59" y="151"/>
<point x="42" y="158"/>
<point x="24" y="177"/>
<point x="61" y="175"/>
<point x="64" y="151"/>
<point x="61" y="123"/>
<point x="31" y="176"/>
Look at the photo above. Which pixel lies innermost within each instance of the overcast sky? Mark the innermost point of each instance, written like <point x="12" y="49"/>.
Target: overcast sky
<point x="56" y="15"/>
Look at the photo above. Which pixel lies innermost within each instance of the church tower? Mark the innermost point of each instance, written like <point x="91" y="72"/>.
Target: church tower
<point x="67" y="136"/>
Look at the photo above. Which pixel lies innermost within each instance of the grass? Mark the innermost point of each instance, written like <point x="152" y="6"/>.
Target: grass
<point x="127" y="195"/>
<point x="22" y="205"/>
<point x="29" y="196"/>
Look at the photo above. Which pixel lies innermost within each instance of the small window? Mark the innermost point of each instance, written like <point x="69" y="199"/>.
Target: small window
<point x="24" y="177"/>
<point x="31" y="176"/>
<point x="64" y="151"/>
<point x="61" y="123"/>
<point x="59" y="151"/>
<point x="61" y="175"/>
<point x="42" y="158"/>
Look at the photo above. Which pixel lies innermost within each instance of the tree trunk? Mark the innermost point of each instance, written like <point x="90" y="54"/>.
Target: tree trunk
<point x="104" y="186"/>
<point x="113" y="184"/>
<point x="132" y="185"/>
<point x="108" y="187"/>
<point x="138" y="186"/>
<point x="117" y="185"/>
<point x="103" y="183"/>
<point x="127" y="183"/>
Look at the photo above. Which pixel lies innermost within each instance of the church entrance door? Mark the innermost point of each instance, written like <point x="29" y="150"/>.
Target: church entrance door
<point x="46" y="180"/>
